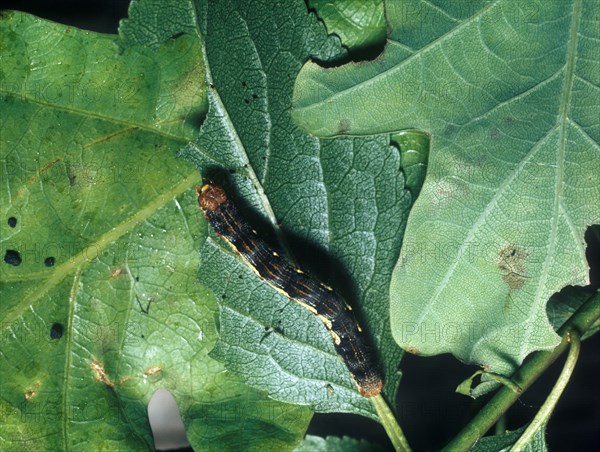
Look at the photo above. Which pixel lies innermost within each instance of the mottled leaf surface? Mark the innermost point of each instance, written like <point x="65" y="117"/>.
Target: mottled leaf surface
<point x="100" y="232"/>
<point x="510" y="95"/>
<point x="339" y="206"/>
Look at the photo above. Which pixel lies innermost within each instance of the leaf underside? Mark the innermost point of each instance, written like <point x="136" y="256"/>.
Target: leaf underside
<point x="509" y="94"/>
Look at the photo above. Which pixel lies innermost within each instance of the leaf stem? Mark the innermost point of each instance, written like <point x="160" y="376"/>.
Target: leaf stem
<point x="391" y="426"/>
<point x="579" y="322"/>
<point x="541" y="418"/>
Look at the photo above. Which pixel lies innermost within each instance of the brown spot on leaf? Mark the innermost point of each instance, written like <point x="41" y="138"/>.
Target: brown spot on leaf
<point x="152" y="371"/>
<point x="49" y="165"/>
<point x="343" y="126"/>
<point x="512" y="265"/>
<point x="412" y="350"/>
<point x="44" y="169"/>
<point x="101" y="376"/>
<point x="111" y="136"/>
<point x="30" y="393"/>
<point x="116" y="272"/>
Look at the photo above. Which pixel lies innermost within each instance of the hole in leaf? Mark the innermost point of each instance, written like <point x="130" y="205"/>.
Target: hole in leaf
<point x="56" y="331"/>
<point x="12" y="257"/>
<point x="592" y="237"/>
<point x="12" y="222"/>
<point x="49" y="261"/>
<point x="165" y="421"/>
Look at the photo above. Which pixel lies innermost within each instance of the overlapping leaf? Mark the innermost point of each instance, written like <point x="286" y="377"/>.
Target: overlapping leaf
<point x="360" y="24"/>
<point x="341" y="204"/>
<point x="509" y="93"/>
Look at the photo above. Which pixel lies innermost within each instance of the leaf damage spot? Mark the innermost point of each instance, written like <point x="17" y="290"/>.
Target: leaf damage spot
<point x="56" y="331"/>
<point x="100" y="374"/>
<point x="152" y="371"/>
<point x="34" y="178"/>
<point x="49" y="165"/>
<point x="146" y="309"/>
<point x="412" y="350"/>
<point x="343" y="126"/>
<point x="116" y="272"/>
<point x="44" y="169"/>
<point x="512" y="265"/>
<point x="30" y="393"/>
<point x="448" y="188"/>
<point x="12" y="257"/>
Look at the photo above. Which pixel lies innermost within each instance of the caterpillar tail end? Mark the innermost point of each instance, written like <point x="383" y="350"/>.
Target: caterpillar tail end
<point x="370" y="386"/>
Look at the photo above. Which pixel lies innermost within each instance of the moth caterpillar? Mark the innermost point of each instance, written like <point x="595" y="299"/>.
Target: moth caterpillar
<point x="294" y="283"/>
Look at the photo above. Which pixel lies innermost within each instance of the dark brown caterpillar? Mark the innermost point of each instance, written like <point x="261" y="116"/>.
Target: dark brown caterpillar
<point x="292" y="282"/>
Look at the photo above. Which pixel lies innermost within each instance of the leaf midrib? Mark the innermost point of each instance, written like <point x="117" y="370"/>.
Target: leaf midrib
<point x="562" y="122"/>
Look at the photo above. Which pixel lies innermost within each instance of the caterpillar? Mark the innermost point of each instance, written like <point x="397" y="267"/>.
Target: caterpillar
<point x="320" y="299"/>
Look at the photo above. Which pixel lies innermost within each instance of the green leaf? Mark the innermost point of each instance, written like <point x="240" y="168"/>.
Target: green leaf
<point x="501" y="443"/>
<point x="564" y="304"/>
<point x="151" y="23"/>
<point x="465" y="387"/>
<point x="414" y="153"/>
<point x="341" y="204"/>
<point x="497" y="443"/>
<point x="509" y="94"/>
<point x="335" y="444"/>
<point x="359" y="23"/>
<point x="102" y="306"/>
<point x="538" y="441"/>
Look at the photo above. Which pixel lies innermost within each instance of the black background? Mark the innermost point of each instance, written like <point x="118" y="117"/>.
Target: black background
<point x="430" y="412"/>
